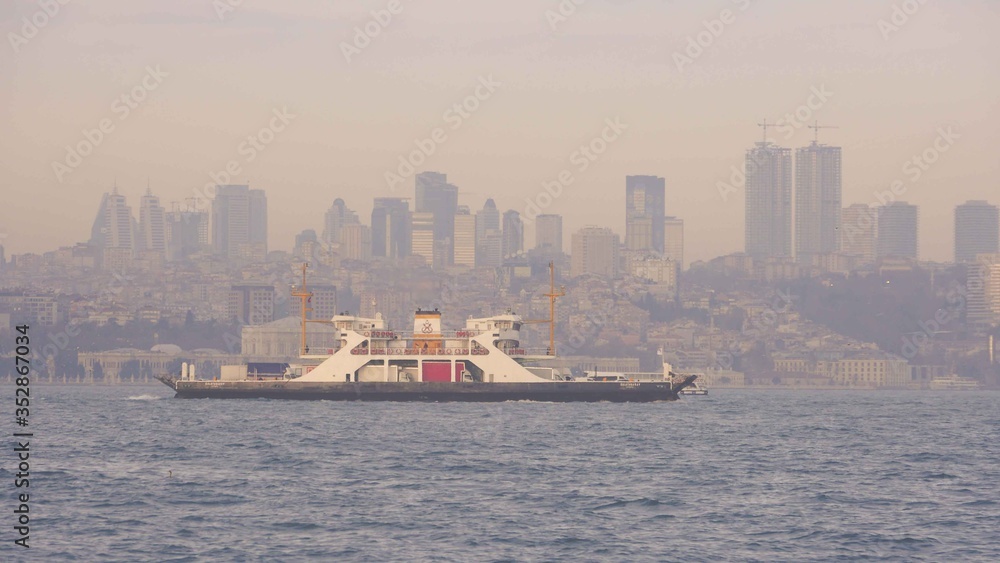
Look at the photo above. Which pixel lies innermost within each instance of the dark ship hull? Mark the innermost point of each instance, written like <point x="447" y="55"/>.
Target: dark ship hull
<point x="557" y="391"/>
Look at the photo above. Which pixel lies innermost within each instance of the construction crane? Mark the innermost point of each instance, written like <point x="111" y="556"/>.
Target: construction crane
<point x="816" y="127"/>
<point x="764" y="125"/>
<point x="553" y="294"/>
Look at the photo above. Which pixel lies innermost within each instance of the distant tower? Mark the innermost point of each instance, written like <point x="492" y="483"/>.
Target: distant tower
<point x="152" y="224"/>
<point x="977" y="230"/>
<point x="465" y="237"/>
<point x="645" y="205"/>
<point x="113" y="226"/>
<point x="549" y="233"/>
<point x="673" y="240"/>
<point x="768" y="200"/>
<point x="239" y="222"/>
<point x="817" y="200"/>
<point x="897" y="231"/>
<point x="489" y="244"/>
<point x="422" y="229"/>
<point x="356" y="242"/>
<point x="391" y="227"/>
<point x="858" y="223"/>
<point x="513" y="234"/>
<point x="595" y="251"/>
<point x="436" y="196"/>
<point x="336" y="217"/>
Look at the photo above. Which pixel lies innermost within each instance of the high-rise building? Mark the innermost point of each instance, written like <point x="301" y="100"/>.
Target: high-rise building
<point x="983" y="285"/>
<point x="239" y="222"/>
<point x="673" y="240"/>
<point x="422" y="229"/>
<point x="323" y="303"/>
<point x="436" y="196"/>
<point x="645" y="205"/>
<point x="858" y="223"/>
<point x="336" y="217"/>
<point x="114" y="226"/>
<point x="356" y="242"/>
<point x="513" y="234"/>
<point x="897" y="230"/>
<point x="306" y="244"/>
<point x="465" y="237"/>
<point x="549" y="233"/>
<point x="817" y="201"/>
<point x="152" y="224"/>
<point x="251" y="303"/>
<point x="186" y="233"/>
<point x="391" y="227"/>
<point x="768" y="201"/>
<point x="489" y="241"/>
<point x="595" y="251"/>
<point x="977" y="230"/>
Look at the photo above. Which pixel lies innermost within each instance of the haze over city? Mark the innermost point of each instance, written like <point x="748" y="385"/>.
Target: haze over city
<point x="216" y="74"/>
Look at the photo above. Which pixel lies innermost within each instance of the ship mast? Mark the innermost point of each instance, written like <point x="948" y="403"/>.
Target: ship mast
<point x="553" y="295"/>
<point x="303" y="294"/>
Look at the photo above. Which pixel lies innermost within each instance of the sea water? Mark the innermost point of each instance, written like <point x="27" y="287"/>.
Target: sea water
<point x="131" y="474"/>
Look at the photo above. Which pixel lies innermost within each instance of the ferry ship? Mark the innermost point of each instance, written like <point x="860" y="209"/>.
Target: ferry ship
<point x="482" y="362"/>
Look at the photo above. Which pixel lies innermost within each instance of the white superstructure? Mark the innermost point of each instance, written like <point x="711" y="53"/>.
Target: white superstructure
<point x="487" y="350"/>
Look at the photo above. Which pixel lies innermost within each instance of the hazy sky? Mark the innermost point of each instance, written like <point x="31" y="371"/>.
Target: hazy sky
<point x="891" y="92"/>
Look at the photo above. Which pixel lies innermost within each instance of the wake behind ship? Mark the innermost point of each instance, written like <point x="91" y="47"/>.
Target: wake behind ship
<point x="483" y="362"/>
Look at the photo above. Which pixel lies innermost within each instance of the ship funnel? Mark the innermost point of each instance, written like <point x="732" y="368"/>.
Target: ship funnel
<point x="184" y="371"/>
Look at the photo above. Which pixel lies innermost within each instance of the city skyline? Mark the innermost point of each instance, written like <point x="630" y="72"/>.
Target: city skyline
<point x="861" y="79"/>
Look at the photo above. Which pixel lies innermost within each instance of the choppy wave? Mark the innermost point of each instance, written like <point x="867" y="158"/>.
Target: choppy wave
<point x="733" y="476"/>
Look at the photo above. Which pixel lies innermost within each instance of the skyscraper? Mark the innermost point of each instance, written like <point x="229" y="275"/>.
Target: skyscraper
<point x="152" y="224"/>
<point x="391" y="227"/>
<point x="768" y="201"/>
<point x="465" y="237"/>
<point x="817" y="201"/>
<point x="422" y="241"/>
<point x="983" y="285"/>
<point x="645" y="205"/>
<point x="897" y="230"/>
<point x="673" y="240"/>
<point x="186" y="233"/>
<point x="549" y="233"/>
<point x="114" y="226"/>
<point x="436" y="196"/>
<point x="356" y="242"/>
<point x="489" y="244"/>
<point x="857" y="231"/>
<point x="513" y="234"/>
<point x="336" y="217"/>
<point x="239" y="222"/>
<point x="595" y="251"/>
<point x="977" y="230"/>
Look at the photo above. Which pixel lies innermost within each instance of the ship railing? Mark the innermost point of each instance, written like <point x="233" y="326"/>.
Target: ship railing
<point x="409" y="335"/>
<point x="362" y="351"/>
